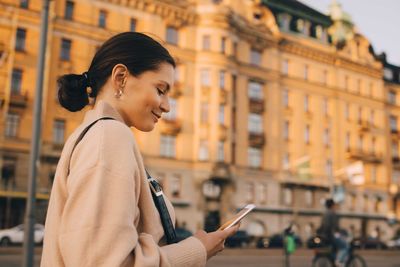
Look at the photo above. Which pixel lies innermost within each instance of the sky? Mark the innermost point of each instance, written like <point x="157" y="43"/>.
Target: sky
<point x="377" y="20"/>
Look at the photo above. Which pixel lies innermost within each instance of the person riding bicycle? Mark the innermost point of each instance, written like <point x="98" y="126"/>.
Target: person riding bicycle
<point x="331" y="232"/>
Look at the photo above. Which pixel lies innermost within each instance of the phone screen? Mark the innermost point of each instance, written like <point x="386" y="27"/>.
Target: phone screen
<point x="239" y="216"/>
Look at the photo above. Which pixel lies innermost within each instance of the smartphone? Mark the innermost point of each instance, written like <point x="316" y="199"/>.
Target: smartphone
<point x="239" y="216"/>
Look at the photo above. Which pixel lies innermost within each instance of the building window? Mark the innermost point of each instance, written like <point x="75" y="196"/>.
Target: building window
<point x="286" y="126"/>
<point x="102" y="18"/>
<point x="305" y="74"/>
<point x="235" y="47"/>
<point x="254" y="157"/>
<point x="393" y="123"/>
<point x="255" y="123"/>
<point x="346" y="82"/>
<point x="220" y="151"/>
<point x="204" y="112"/>
<point x="326" y="137"/>
<point x="173" y="110"/>
<point x="285" y="67"/>
<point x="347" y="111"/>
<point x="395" y="149"/>
<point x="300" y="25"/>
<point x="359" y="114"/>
<point x="223" y="45"/>
<point x="58" y="131"/>
<point x="12" y="125"/>
<point x="306" y="103"/>
<point x="255" y="90"/>
<point x="8" y="171"/>
<point x="328" y="168"/>
<point x="286" y="161"/>
<point x="287" y="196"/>
<point x="378" y="204"/>
<point x="172" y="35"/>
<point x="69" y="10"/>
<point x="206" y="42"/>
<point x="360" y="142"/>
<point x="373" y="143"/>
<point x="249" y="192"/>
<point x="285" y="98"/>
<point x="388" y="74"/>
<point x="176" y="186"/>
<point x="221" y="115"/>
<point x="325" y="106"/>
<point x="307" y="134"/>
<point x="359" y="86"/>
<point x="20" y="39"/>
<point x="65" y="49"/>
<point x="205" y="77"/>
<point x="392" y="97"/>
<point x="371" y="117"/>
<point x="347" y="141"/>
<point x="262" y="193"/>
<point x="222" y="79"/>
<point x="24" y="3"/>
<point x="16" y="81"/>
<point x="309" y="198"/>
<point x="132" y="25"/>
<point x="203" y="150"/>
<point x="167" y="148"/>
<point x="255" y="57"/>
<point x="284" y="21"/>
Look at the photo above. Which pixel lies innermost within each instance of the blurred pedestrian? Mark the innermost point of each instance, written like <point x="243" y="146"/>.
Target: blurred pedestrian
<point x="104" y="209"/>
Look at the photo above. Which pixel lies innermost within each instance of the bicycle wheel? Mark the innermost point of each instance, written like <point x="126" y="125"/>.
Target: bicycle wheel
<point x="356" y="261"/>
<point x="322" y="262"/>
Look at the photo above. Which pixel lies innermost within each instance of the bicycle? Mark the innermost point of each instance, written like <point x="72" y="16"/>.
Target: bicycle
<point x="324" y="257"/>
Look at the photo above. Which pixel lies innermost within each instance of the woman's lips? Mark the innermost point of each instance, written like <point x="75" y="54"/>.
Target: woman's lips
<point x="156" y="116"/>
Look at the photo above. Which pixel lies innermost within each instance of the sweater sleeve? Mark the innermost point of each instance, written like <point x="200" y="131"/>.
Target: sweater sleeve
<point x="97" y="225"/>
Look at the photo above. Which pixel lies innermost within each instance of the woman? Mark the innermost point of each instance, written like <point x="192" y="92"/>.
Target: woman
<point x="101" y="211"/>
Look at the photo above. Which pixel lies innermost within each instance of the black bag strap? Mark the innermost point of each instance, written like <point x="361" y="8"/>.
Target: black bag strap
<point x="155" y="188"/>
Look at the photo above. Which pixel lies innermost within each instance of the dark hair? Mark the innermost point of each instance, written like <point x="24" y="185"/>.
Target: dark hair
<point x="329" y="203"/>
<point x="137" y="51"/>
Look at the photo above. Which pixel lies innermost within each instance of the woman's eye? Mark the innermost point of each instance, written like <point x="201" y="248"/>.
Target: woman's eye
<point x="160" y="92"/>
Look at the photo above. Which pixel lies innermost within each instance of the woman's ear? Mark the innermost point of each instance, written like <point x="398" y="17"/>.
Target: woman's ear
<point x="119" y="76"/>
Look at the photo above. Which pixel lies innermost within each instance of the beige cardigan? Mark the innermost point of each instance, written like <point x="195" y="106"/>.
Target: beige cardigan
<point x="102" y="214"/>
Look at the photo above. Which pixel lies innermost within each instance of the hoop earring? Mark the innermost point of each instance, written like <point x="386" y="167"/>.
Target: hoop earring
<point x="118" y="94"/>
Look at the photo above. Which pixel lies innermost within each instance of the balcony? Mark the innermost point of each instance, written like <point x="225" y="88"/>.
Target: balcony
<point x="358" y="154"/>
<point x="171" y="126"/>
<point x="221" y="173"/>
<point x="223" y="96"/>
<point x="396" y="162"/>
<point x="256" y="139"/>
<point x="365" y="126"/>
<point x="223" y="132"/>
<point x="256" y="105"/>
<point x="19" y="99"/>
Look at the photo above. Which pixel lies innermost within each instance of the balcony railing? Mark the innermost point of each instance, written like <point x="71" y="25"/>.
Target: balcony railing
<point x="19" y="99"/>
<point x="359" y="154"/>
<point x="256" y="139"/>
<point x="365" y="126"/>
<point x="171" y="126"/>
<point x="256" y="105"/>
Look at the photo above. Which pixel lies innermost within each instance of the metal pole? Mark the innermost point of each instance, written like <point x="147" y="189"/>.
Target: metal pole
<point x="35" y="143"/>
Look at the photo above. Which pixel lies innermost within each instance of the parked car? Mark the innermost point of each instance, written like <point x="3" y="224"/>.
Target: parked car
<point x="275" y="241"/>
<point x="369" y="243"/>
<point x="182" y="233"/>
<point x="394" y="243"/>
<point x="239" y="239"/>
<point x="15" y="235"/>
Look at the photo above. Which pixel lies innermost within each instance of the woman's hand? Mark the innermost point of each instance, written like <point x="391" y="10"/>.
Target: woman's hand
<point x="214" y="241"/>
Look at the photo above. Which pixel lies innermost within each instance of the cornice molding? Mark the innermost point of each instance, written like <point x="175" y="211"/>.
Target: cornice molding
<point x="329" y="58"/>
<point x="176" y="13"/>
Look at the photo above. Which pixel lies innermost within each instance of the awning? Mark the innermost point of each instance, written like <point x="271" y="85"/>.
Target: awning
<point x="17" y="194"/>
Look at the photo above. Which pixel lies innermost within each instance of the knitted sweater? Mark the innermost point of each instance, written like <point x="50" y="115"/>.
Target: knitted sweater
<point x="102" y="214"/>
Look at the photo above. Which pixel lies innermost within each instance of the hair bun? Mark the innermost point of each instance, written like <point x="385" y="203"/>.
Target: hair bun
<point x="72" y="93"/>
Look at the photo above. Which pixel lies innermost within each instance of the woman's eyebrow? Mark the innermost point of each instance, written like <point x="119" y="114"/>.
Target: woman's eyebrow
<point x="168" y="87"/>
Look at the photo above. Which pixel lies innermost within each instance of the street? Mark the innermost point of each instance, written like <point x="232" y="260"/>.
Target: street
<point x="241" y="258"/>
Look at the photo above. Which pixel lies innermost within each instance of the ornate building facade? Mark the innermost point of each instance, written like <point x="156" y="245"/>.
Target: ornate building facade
<point x="274" y="103"/>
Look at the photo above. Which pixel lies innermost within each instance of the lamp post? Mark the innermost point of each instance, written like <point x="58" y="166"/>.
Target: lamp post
<point x="33" y="164"/>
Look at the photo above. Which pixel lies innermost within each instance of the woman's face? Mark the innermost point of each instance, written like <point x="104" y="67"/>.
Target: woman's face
<point x="145" y="97"/>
